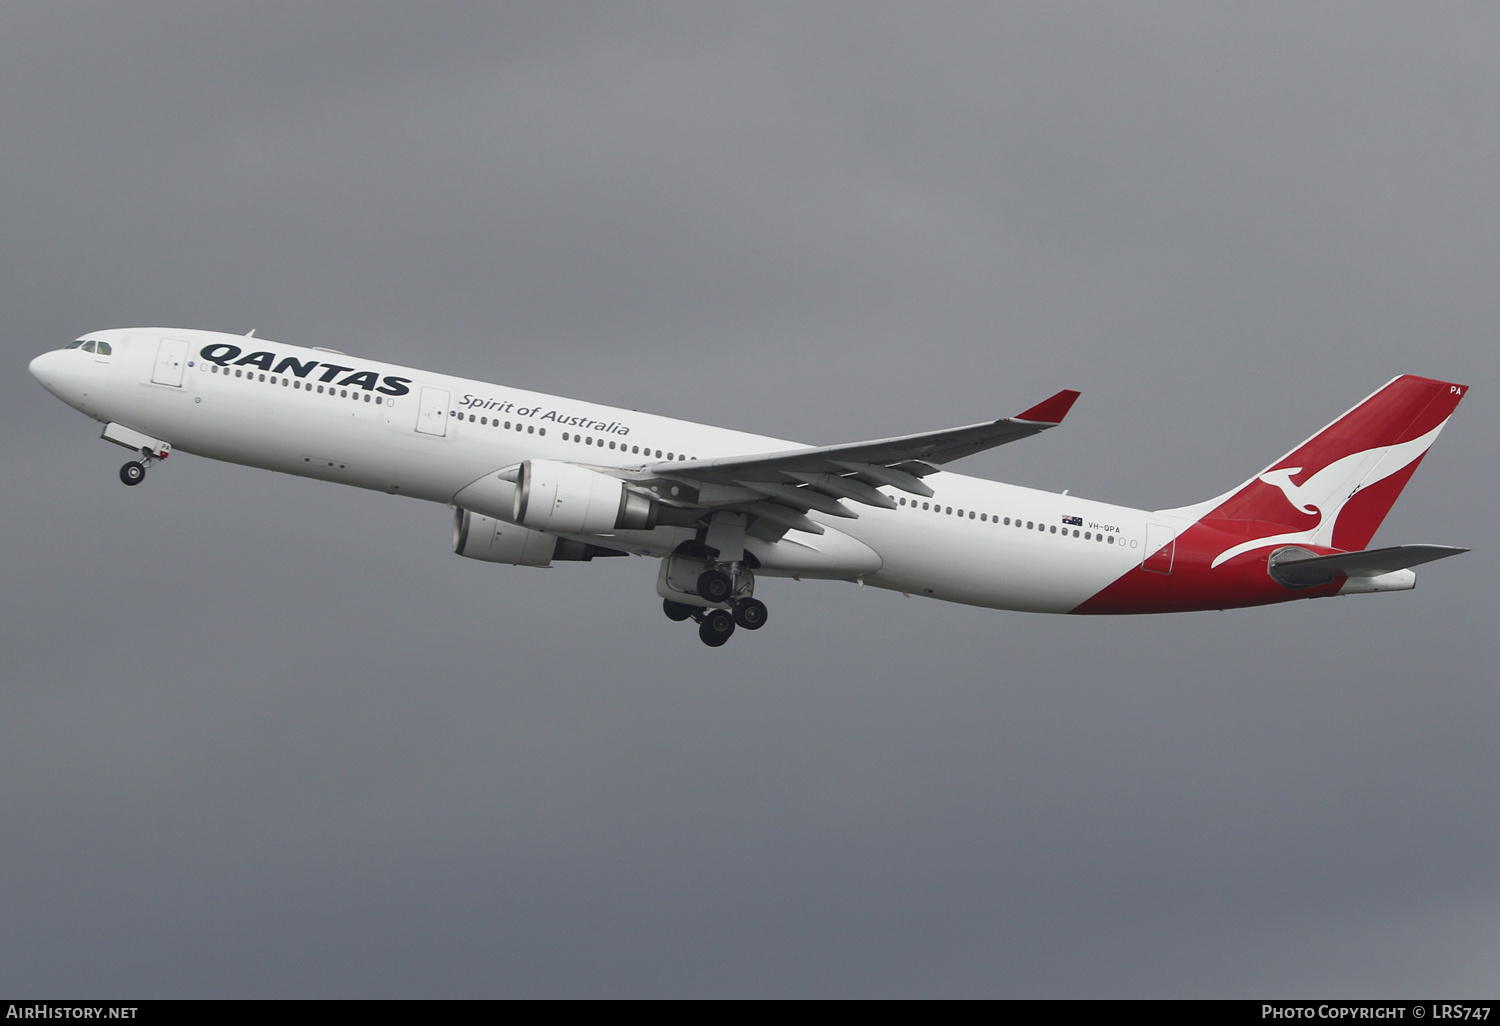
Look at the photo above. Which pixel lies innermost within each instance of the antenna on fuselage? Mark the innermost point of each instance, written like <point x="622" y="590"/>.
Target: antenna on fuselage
<point x="250" y="333"/>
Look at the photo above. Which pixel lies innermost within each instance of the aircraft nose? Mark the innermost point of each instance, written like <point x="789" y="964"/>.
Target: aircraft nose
<point x="45" y="369"/>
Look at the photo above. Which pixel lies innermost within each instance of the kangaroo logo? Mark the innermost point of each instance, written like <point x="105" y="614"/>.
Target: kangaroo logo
<point x="1283" y="479"/>
<point x="1324" y="494"/>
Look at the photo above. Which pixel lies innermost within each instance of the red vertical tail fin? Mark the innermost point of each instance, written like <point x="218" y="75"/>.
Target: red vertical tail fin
<point x="1325" y="497"/>
<point x="1336" y="487"/>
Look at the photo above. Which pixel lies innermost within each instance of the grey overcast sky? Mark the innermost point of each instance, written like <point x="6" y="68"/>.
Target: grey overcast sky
<point x="261" y="736"/>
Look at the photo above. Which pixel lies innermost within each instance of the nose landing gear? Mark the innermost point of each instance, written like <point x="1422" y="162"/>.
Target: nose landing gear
<point x="152" y="451"/>
<point x="134" y="472"/>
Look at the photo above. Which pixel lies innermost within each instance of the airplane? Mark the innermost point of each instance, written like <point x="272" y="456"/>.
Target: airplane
<point x="536" y="479"/>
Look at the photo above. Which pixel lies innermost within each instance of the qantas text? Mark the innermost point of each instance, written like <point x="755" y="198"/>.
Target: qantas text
<point x="224" y="355"/>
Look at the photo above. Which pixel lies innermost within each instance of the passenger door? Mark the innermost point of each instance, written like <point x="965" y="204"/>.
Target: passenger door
<point x="171" y="358"/>
<point x="432" y="411"/>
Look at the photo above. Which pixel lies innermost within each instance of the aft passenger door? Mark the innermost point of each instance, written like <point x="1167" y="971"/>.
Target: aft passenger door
<point x="1161" y="546"/>
<point x="432" y="411"/>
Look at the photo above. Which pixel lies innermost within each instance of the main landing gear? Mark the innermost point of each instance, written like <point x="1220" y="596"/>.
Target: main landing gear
<point x="716" y="625"/>
<point x="709" y="580"/>
<point x="719" y="597"/>
<point x="134" y="472"/>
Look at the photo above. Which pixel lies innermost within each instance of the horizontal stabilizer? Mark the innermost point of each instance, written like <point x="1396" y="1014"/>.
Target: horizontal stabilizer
<point x="1299" y="571"/>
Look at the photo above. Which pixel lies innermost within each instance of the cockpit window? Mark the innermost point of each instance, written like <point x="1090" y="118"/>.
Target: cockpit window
<point x="88" y="347"/>
<point x="75" y="345"/>
<point x="104" y="349"/>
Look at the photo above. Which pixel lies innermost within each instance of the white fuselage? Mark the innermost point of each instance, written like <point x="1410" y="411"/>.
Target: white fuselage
<point x="293" y="411"/>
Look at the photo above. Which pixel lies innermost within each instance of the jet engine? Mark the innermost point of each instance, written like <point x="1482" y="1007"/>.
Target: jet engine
<point x="477" y="536"/>
<point x="569" y="499"/>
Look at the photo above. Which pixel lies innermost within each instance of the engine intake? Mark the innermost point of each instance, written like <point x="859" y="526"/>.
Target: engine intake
<point x="568" y="499"/>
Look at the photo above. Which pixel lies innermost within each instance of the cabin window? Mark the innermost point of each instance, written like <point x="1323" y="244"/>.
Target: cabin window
<point x="611" y="445"/>
<point x="238" y="373"/>
<point x="1111" y="539"/>
<point x="541" y="431"/>
<point x="531" y="430"/>
<point x="378" y="399"/>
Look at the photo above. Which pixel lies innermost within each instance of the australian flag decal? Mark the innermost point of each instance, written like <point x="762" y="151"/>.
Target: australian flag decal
<point x="1073" y="521"/>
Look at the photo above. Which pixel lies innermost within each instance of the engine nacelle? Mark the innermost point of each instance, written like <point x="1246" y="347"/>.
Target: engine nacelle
<point x="477" y="536"/>
<point x="569" y="499"/>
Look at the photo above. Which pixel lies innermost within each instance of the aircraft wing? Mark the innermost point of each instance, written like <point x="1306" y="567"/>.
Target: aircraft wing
<point x="783" y="486"/>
